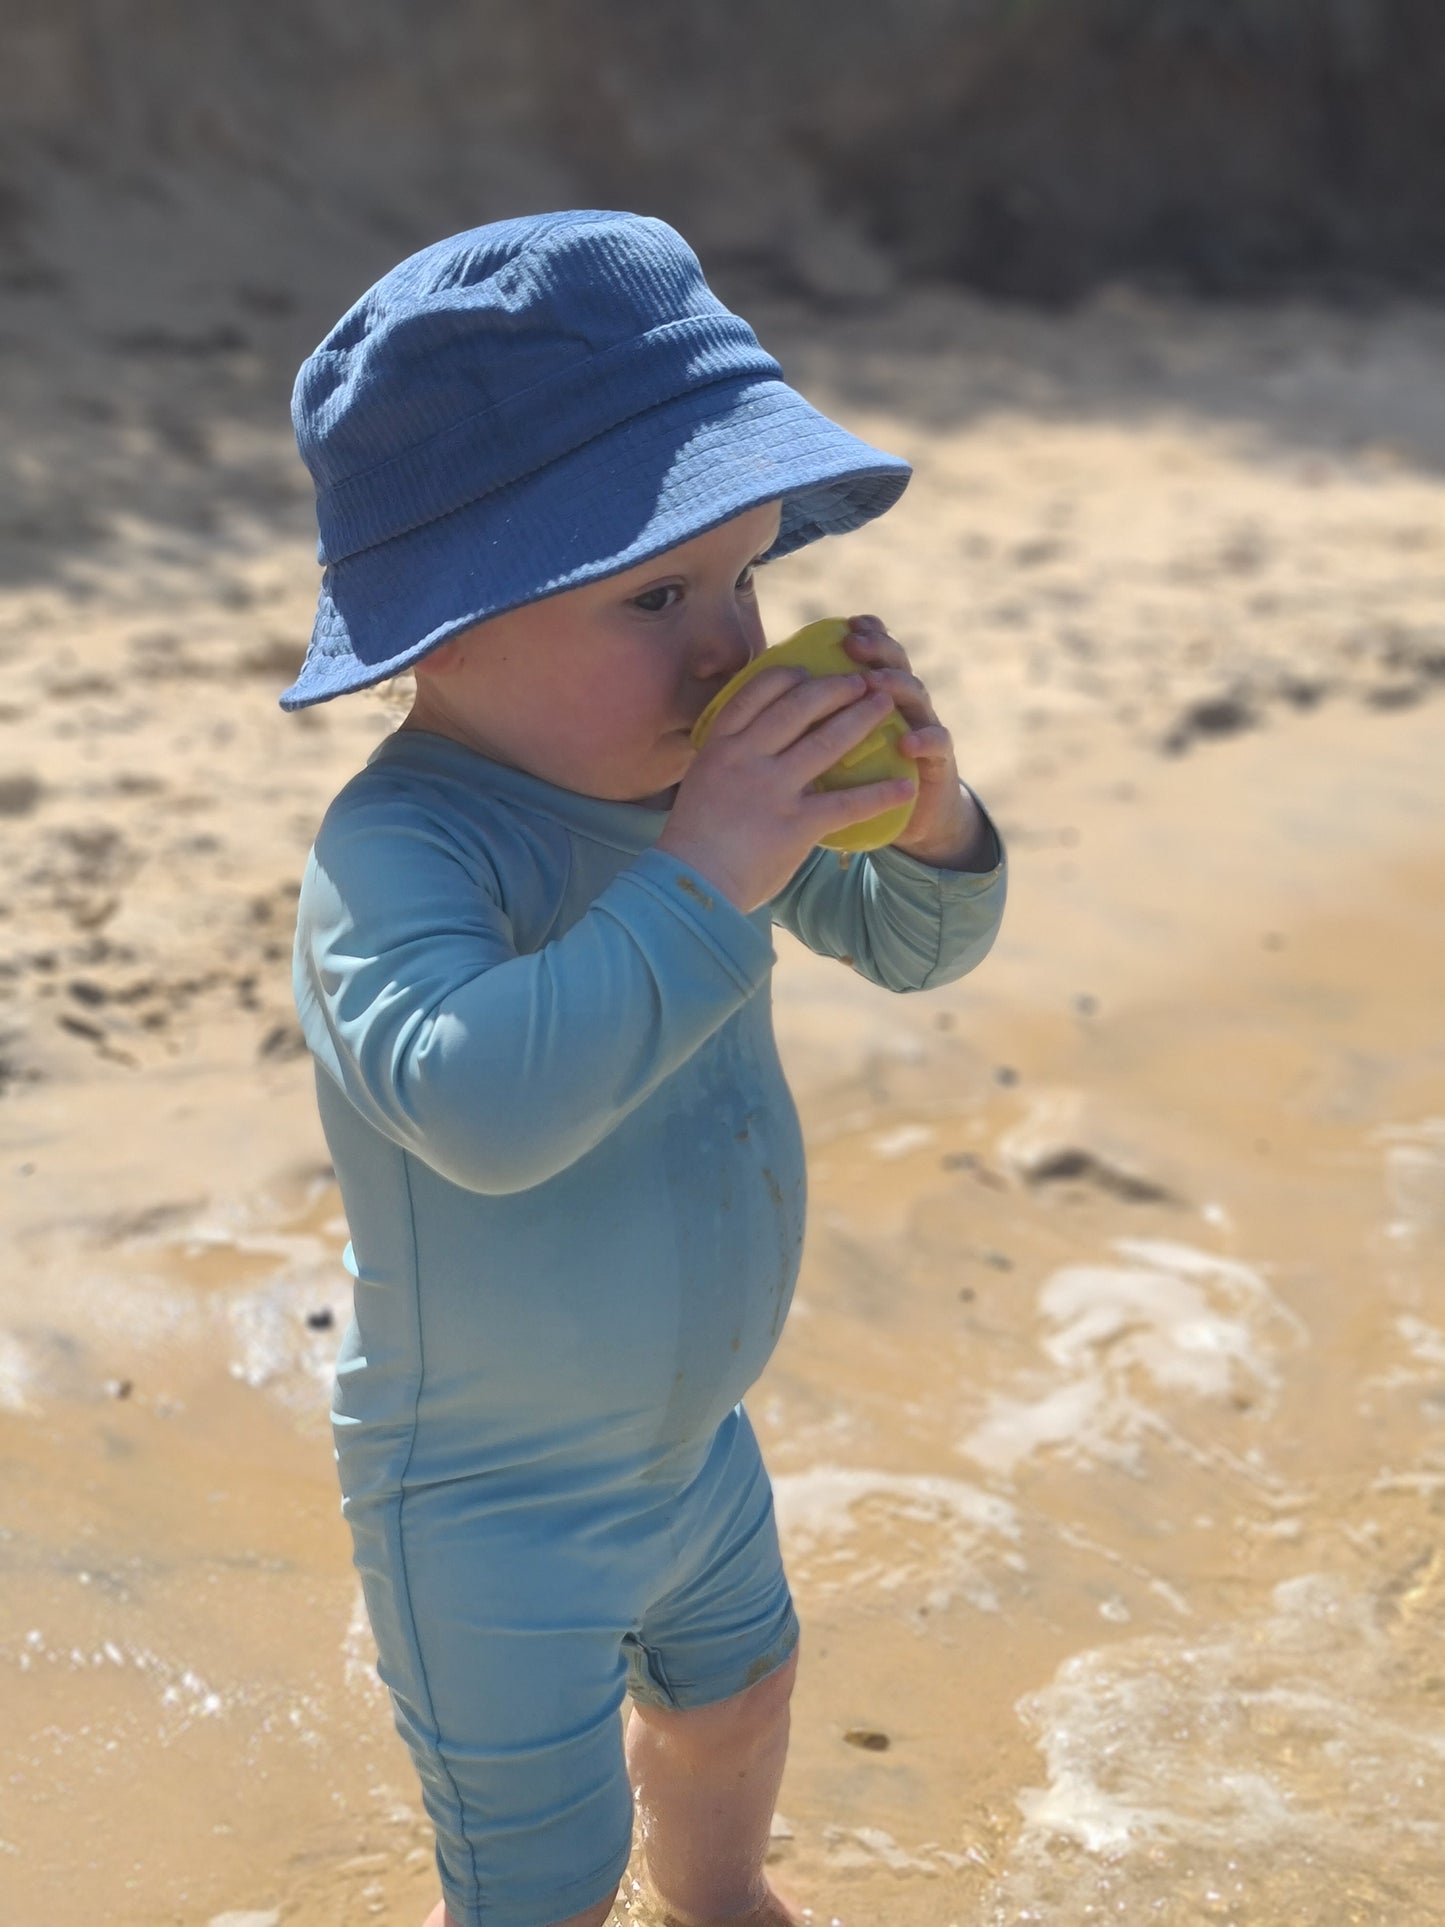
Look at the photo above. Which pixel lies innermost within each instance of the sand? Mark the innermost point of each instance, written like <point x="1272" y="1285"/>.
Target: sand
<point x="1107" y="1429"/>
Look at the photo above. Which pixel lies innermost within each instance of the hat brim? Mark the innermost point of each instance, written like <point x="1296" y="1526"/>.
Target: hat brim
<point x="657" y="481"/>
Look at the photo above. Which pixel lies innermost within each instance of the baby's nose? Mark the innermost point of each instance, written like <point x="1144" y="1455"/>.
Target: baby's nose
<point x="721" y="653"/>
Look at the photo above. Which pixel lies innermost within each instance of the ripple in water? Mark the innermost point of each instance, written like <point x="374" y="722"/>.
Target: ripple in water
<point x="1175" y="1321"/>
<point x="1281" y="1769"/>
<point x="846" y="1527"/>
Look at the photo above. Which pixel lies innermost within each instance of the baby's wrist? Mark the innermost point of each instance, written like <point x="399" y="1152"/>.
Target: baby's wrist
<point x="966" y="843"/>
<point x="704" y="859"/>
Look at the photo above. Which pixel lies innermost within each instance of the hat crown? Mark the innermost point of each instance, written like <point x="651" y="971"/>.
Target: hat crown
<point x="532" y="406"/>
<point x="489" y="354"/>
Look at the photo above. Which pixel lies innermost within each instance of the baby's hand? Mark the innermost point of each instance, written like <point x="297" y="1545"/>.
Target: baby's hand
<point x="746" y="815"/>
<point x="947" y="828"/>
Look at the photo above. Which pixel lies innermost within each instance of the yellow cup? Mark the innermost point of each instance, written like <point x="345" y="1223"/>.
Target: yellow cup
<point x="819" y="649"/>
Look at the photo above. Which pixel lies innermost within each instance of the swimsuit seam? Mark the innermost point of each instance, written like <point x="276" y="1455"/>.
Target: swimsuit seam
<point x="938" y="921"/>
<point x="560" y="897"/>
<point x="658" y="1671"/>
<point x="404" y="1577"/>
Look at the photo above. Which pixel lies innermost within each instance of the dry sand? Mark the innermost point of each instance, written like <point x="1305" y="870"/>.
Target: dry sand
<point x="1109" y="1429"/>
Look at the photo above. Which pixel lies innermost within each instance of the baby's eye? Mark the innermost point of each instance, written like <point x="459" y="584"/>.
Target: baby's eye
<point x="653" y="601"/>
<point x="745" y="582"/>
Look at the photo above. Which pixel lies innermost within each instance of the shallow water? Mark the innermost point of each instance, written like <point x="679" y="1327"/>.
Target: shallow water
<point x="1108" y="1430"/>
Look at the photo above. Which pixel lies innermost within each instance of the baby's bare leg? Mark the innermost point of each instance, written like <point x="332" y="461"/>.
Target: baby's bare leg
<point x="594" y="1916"/>
<point x="706" y="1780"/>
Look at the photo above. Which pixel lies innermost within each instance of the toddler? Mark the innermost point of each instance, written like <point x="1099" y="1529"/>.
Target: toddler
<point x="533" y="968"/>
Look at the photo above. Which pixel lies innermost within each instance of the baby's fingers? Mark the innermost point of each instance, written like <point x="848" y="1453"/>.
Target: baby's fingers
<point x="830" y="810"/>
<point x="869" y="644"/>
<point x="800" y="711"/>
<point x="910" y="696"/>
<point x="831" y="738"/>
<point x="756" y="695"/>
<point x="931" y="744"/>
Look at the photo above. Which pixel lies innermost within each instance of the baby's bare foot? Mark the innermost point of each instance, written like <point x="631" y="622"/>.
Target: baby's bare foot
<point x="775" y="1911"/>
<point x="778" y="1911"/>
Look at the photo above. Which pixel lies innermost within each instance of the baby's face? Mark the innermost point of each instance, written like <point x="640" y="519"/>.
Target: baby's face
<point x="596" y="689"/>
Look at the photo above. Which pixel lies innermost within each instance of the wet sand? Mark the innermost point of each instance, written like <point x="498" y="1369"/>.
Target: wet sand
<point x="1109" y="1427"/>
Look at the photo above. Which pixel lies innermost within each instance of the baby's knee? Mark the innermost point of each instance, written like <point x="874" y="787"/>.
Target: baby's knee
<point x="765" y="1702"/>
<point x="741" y="1724"/>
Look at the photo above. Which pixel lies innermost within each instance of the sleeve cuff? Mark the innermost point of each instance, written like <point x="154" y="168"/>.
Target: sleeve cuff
<point x="739" y="942"/>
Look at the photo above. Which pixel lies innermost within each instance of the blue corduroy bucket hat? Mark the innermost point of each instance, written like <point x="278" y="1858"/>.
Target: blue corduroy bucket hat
<point x="534" y="405"/>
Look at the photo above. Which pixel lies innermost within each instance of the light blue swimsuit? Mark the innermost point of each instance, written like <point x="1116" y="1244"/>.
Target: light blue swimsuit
<point x="573" y="1178"/>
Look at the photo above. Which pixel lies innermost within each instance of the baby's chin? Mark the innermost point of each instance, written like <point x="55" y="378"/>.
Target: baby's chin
<point x="667" y="770"/>
<point x="659" y="797"/>
<point x="650" y="782"/>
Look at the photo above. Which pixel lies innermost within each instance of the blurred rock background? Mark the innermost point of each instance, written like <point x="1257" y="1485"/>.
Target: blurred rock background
<point x="189" y="192"/>
<point x="1028" y="147"/>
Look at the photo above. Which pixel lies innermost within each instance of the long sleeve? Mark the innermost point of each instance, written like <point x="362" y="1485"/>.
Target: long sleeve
<point x="500" y="1069"/>
<point x="898" y="922"/>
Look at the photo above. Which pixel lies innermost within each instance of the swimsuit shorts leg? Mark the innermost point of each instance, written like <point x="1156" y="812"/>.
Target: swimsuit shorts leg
<point x="727" y="1620"/>
<point x="510" y="1634"/>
